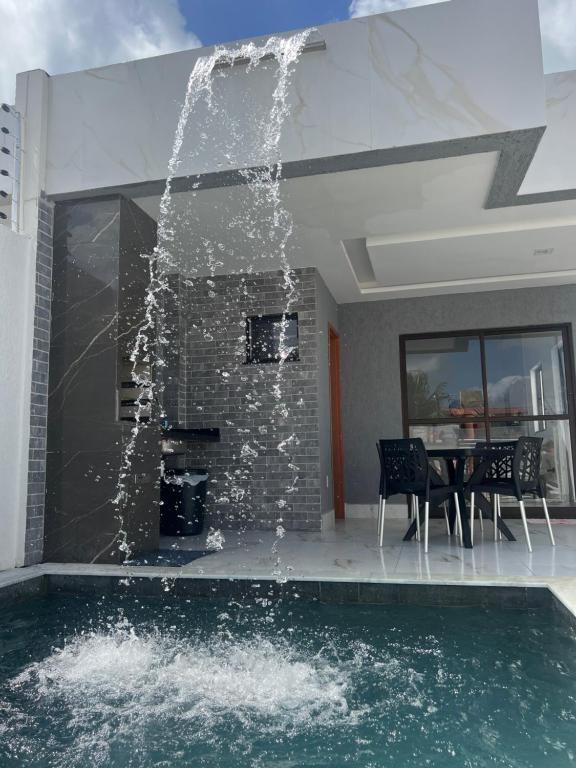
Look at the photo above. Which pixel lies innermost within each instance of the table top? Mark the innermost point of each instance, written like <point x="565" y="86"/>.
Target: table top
<point x="455" y="453"/>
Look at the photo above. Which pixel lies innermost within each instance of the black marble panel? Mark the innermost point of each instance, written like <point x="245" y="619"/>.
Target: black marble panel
<point x="137" y="240"/>
<point x="99" y="282"/>
<point x="85" y="270"/>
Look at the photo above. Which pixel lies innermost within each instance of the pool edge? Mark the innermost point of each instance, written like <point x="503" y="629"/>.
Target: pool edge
<point x="560" y="594"/>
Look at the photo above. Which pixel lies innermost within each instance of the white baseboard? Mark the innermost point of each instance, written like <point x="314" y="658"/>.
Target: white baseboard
<point x="370" y="511"/>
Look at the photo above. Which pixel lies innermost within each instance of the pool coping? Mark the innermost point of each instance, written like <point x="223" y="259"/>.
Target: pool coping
<point x="507" y="592"/>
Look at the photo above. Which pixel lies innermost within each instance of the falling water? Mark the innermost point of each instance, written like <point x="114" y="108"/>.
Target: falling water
<point x="257" y="235"/>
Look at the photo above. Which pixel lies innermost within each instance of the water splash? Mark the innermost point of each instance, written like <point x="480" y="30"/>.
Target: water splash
<point x="260" y="218"/>
<point x="215" y="540"/>
<point x="113" y="671"/>
<point x="118" y="686"/>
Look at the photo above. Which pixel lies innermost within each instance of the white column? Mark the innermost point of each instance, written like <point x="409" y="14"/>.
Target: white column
<point x="17" y="302"/>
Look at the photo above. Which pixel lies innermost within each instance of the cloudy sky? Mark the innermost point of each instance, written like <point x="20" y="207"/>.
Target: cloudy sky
<point x="66" y="35"/>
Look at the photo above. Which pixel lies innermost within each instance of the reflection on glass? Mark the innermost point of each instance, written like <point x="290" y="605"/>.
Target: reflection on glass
<point x="444" y="377"/>
<point x="556" y="466"/>
<point x="525" y="373"/>
<point x="264" y="336"/>
<point x="448" y="435"/>
<point x="526" y="388"/>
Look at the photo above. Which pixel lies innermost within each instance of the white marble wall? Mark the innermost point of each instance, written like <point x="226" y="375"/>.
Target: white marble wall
<point x="554" y="164"/>
<point x="445" y="71"/>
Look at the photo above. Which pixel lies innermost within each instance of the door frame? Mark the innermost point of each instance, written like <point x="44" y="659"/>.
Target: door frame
<point x="337" y="453"/>
<point x="570" y="372"/>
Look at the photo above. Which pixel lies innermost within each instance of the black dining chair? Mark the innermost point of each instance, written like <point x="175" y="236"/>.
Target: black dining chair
<point x="405" y="469"/>
<point x="479" y="472"/>
<point x="511" y="469"/>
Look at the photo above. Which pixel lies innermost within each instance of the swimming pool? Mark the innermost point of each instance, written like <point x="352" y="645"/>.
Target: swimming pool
<point x="138" y="681"/>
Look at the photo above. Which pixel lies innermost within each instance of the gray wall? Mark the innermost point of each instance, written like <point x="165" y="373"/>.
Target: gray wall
<point x="34" y="541"/>
<point x="326" y="313"/>
<point x="216" y="388"/>
<point x="97" y="303"/>
<point x="173" y="380"/>
<point x="370" y="371"/>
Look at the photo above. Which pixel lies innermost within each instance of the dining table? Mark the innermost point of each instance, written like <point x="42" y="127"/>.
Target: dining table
<point x="455" y="459"/>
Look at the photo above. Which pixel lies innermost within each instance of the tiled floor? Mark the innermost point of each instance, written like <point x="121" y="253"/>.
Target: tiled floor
<point x="350" y="551"/>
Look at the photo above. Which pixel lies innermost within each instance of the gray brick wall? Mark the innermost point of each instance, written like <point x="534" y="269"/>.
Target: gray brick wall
<point x="34" y="540"/>
<point x="215" y="388"/>
<point x="174" y="379"/>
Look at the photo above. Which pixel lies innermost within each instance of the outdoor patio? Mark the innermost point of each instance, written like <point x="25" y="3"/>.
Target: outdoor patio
<point x="445" y="313"/>
<point x="350" y="551"/>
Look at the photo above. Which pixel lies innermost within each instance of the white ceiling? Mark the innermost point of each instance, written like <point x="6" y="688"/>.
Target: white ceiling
<point x="475" y="258"/>
<point x="421" y="226"/>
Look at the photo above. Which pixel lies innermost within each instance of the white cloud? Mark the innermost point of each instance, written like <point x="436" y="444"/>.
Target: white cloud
<point x="369" y="7"/>
<point x="557" y="22"/>
<point x="500" y="393"/>
<point x="558" y="25"/>
<point x="66" y="35"/>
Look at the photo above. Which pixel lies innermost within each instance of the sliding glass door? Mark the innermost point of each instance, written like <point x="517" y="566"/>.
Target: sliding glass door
<point x="494" y="385"/>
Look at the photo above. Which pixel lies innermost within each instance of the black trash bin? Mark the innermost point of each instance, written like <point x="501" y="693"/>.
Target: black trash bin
<point x="183" y="497"/>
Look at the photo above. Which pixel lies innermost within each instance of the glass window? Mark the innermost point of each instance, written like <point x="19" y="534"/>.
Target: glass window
<point x="451" y="402"/>
<point x="271" y="338"/>
<point x="525" y="374"/>
<point x="556" y="463"/>
<point x="444" y="377"/>
<point x="449" y="435"/>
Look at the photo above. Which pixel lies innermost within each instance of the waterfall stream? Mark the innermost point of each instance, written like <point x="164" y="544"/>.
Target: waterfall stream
<point x="250" y="238"/>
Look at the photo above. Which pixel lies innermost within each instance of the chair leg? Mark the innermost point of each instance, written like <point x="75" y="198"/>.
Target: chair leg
<point x="457" y="505"/>
<point x="381" y="528"/>
<point x="457" y="522"/>
<point x="445" y="505"/>
<point x="472" y="517"/>
<point x="525" y="524"/>
<point x="499" y="513"/>
<point x="426" y="516"/>
<point x="480" y="518"/>
<point x="379" y="512"/>
<point x="495" y="515"/>
<point x="416" y="512"/>
<point x="547" y="516"/>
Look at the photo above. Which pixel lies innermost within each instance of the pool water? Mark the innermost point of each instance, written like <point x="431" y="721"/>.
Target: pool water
<point x="122" y="681"/>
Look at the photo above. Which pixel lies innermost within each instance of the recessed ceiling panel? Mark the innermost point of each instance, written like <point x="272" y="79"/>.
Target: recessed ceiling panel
<point x="474" y="257"/>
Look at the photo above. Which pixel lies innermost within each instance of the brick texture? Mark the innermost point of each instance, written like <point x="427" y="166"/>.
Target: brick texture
<point x="266" y="469"/>
<point x="34" y="541"/>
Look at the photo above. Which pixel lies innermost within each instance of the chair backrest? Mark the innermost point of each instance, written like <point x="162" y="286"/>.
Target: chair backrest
<point x="404" y="466"/>
<point x="527" y="461"/>
<point x="501" y="457"/>
<point x="516" y="460"/>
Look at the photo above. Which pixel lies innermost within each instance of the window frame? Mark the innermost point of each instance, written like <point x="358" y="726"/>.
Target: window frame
<point x="294" y="355"/>
<point x="565" y="329"/>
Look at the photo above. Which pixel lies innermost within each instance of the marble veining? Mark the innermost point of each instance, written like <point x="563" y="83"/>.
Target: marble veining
<point x="554" y="164"/>
<point x="383" y="81"/>
<point x="352" y="548"/>
<point x="98" y="289"/>
<point x="319" y="557"/>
